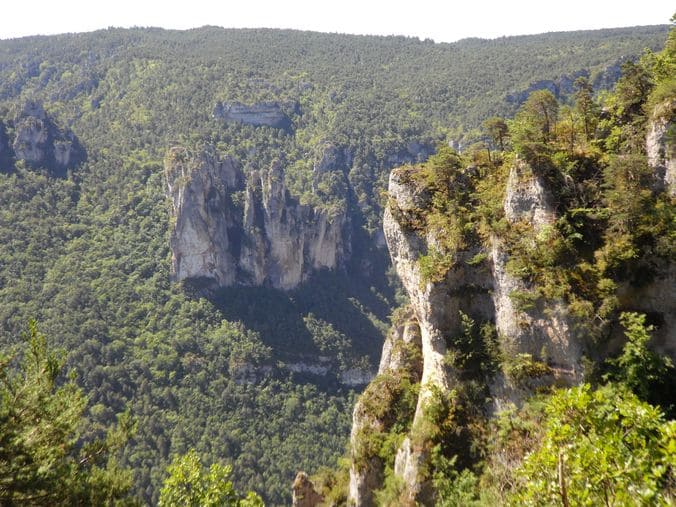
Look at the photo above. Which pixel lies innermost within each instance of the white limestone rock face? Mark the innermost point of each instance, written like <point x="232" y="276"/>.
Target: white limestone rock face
<point x="436" y="307"/>
<point x="401" y="356"/>
<point x="661" y="146"/>
<point x="284" y="241"/>
<point x="479" y="291"/>
<point x="251" y="233"/>
<point x="270" y="114"/>
<point x="547" y="331"/>
<point x="206" y="220"/>
<point x="526" y="198"/>
<point x="31" y="141"/>
<point x="658" y="297"/>
<point x="547" y="328"/>
<point x="40" y="143"/>
<point x="355" y="377"/>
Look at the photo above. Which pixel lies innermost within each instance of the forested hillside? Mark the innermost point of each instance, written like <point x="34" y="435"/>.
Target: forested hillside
<point x="85" y="123"/>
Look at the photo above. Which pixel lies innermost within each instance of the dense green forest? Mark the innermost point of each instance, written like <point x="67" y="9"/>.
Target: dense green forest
<point x="84" y="249"/>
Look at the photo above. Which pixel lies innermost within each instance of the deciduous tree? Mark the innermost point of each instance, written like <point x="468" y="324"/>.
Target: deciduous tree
<point x="191" y="485"/>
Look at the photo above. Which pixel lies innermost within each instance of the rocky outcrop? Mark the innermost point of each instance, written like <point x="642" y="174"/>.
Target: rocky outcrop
<point x="332" y="158"/>
<point x="401" y="358"/>
<point x="206" y="227"/>
<point x="41" y="144"/>
<point x="250" y="233"/>
<point x="661" y="146"/>
<point x="32" y="134"/>
<point x="478" y="290"/>
<point x="540" y="334"/>
<point x="658" y="297"/>
<point x="546" y="331"/>
<point x="303" y="492"/>
<point x="306" y="365"/>
<point x="355" y="377"/>
<point x="437" y="307"/>
<point x="271" y="114"/>
<point x="527" y="200"/>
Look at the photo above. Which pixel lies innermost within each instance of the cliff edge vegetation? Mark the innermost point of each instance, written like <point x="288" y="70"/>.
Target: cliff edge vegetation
<point x="534" y="361"/>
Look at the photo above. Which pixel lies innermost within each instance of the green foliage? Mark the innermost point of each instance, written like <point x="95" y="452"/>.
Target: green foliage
<point x="639" y="221"/>
<point x="158" y="86"/>
<point x="512" y="434"/>
<point x="663" y="68"/>
<point x="524" y="300"/>
<point x="627" y="180"/>
<point x="42" y="458"/>
<point x="632" y="90"/>
<point x="600" y="447"/>
<point x="447" y="214"/>
<point x="474" y="352"/>
<point x="498" y="131"/>
<point x="440" y="419"/>
<point x="585" y="106"/>
<point x="332" y="484"/>
<point x="190" y="484"/>
<point x="637" y="367"/>
<point x="329" y="340"/>
<point x="611" y="224"/>
<point x="533" y="126"/>
<point x="392" y="490"/>
<point x="390" y="399"/>
<point x="90" y="258"/>
<point x="434" y="267"/>
<point x="453" y="488"/>
<point x="522" y="367"/>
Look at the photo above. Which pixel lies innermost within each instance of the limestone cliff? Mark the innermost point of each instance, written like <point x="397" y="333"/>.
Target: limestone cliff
<point x="661" y="146"/>
<point x="234" y="229"/>
<point x="470" y="291"/>
<point x="39" y="142"/>
<point x="437" y="308"/>
<point x="270" y="114"/>
<point x="480" y="291"/>
<point x="400" y="361"/>
<point x="538" y="344"/>
<point x="658" y="297"/>
<point x="206" y="226"/>
<point x="546" y="331"/>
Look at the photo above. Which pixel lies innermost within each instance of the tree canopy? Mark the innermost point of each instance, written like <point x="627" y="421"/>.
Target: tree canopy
<point x="190" y="484"/>
<point x="43" y="460"/>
